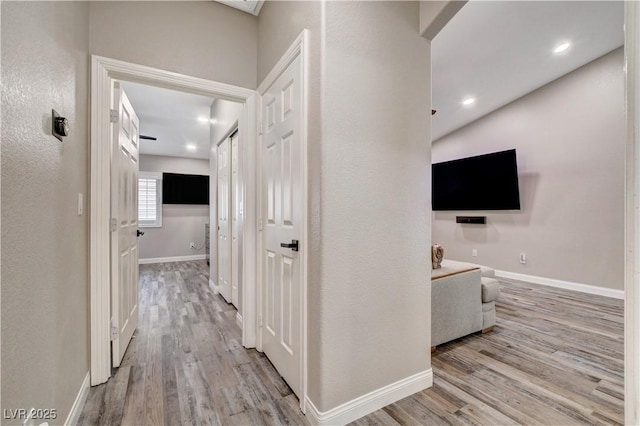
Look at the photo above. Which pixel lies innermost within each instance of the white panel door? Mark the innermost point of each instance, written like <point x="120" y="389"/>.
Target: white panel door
<point x="281" y="209"/>
<point x="235" y="219"/>
<point x="224" y="242"/>
<point x="124" y="213"/>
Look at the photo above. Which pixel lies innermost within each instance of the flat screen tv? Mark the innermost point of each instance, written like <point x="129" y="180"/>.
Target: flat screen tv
<point x="484" y="182"/>
<point x="185" y="189"/>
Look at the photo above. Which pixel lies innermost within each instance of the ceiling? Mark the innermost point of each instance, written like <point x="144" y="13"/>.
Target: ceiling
<point x="173" y="118"/>
<point x="496" y="52"/>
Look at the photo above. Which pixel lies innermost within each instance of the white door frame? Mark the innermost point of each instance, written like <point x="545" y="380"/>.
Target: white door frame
<point x="632" y="216"/>
<point x="103" y="70"/>
<point x="298" y="48"/>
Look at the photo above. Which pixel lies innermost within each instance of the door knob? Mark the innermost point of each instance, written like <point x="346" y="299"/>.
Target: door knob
<point x="293" y="245"/>
<point x="139" y="233"/>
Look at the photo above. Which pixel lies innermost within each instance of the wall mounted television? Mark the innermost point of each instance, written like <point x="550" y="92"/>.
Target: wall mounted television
<point x="185" y="189"/>
<point x="484" y="182"/>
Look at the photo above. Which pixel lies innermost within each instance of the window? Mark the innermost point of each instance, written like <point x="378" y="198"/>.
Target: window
<point x="150" y="200"/>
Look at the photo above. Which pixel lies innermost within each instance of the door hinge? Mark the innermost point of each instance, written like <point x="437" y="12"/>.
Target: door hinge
<point x="113" y="115"/>
<point x="114" y="331"/>
<point x="114" y="224"/>
<point x="260" y="129"/>
<point x="259" y="320"/>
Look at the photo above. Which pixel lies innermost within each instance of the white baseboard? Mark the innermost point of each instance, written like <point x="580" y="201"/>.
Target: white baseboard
<point x="239" y="320"/>
<point x="78" y="404"/>
<point x="171" y="259"/>
<point x="366" y="404"/>
<point x="567" y="285"/>
<point x="213" y="286"/>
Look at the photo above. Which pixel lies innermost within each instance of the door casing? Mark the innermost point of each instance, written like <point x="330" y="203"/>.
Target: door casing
<point x="103" y="71"/>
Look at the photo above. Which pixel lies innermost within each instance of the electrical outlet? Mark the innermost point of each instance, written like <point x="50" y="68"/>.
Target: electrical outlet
<point x="523" y="258"/>
<point x="192" y="245"/>
<point x="474" y="252"/>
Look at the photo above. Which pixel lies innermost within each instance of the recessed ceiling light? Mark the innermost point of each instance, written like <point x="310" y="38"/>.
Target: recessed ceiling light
<point x="562" y="47"/>
<point x="469" y="101"/>
<point x="191" y="147"/>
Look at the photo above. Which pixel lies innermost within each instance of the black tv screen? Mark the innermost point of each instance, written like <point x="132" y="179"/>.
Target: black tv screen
<point x="484" y="182"/>
<point x="185" y="189"/>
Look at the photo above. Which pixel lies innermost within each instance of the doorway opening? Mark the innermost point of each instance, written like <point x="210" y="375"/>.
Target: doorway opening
<point x="105" y="72"/>
<point x="627" y="138"/>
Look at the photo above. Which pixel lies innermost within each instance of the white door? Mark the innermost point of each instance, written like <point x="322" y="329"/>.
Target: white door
<point x="224" y="243"/>
<point x="124" y="214"/>
<point x="281" y="111"/>
<point x="235" y="219"/>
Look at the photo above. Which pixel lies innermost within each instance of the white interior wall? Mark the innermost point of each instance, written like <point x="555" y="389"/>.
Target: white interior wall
<point x="45" y="243"/>
<point x="181" y="223"/>
<point x="197" y="38"/>
<point x="570" y="142"/>
<point x="375" y="299"/>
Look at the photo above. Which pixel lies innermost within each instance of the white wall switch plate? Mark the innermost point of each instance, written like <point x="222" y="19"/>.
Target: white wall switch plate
<point x="474" y="252"/>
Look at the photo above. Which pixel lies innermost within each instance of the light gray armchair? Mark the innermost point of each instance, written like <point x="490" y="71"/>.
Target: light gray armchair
<point x="462" y="303"/>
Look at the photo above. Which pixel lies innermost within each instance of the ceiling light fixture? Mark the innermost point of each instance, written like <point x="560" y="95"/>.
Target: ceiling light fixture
<point x="562" y="47"/>
<point x="191" y="147"/>
<point x="469" y="101"/>
<point x="203" y="119"/>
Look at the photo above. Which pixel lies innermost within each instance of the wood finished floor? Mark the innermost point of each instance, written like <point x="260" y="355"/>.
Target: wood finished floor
<point x="186" y="364"/>
<point x="554" y="358"/>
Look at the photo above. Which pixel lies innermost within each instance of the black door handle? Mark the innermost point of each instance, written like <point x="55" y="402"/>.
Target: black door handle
<point x="139" y="233"/>
<point x="293" y="245"/>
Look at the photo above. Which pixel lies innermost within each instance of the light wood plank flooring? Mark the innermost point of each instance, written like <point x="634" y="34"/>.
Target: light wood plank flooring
<point x="186" y="364"/>
<point x="554" y="358"/>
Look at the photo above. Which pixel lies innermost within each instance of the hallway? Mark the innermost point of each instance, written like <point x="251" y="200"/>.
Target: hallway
<point x="186" y="363"/>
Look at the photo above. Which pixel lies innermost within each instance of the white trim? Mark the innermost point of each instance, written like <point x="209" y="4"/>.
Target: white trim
<point x="300" y="47"/>
<point x="239" y="319"/>
<point x="632" y="217"/>
<point x="213" y="287"/>
<point x="78" y="403"/>
<point x="368" y="403"/>
<point x="103" y="71"/>
<point x="250" y="6"/>
<point x="249" y="144"/>
<point x="150" y="260"/>
<point x="567" y="285"/>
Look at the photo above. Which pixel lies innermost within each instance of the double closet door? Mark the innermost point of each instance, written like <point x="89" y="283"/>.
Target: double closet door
<point x="229" y="201"/>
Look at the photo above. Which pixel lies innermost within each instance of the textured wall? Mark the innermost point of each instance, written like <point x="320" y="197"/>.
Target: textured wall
<point x="45" y="336"/>
<point x="198" y="38"/>
<point x="181" y="224"/>
<point x="374" y="302"/>
<point x="570" y="141"/>
<point x="368" y="312"/>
